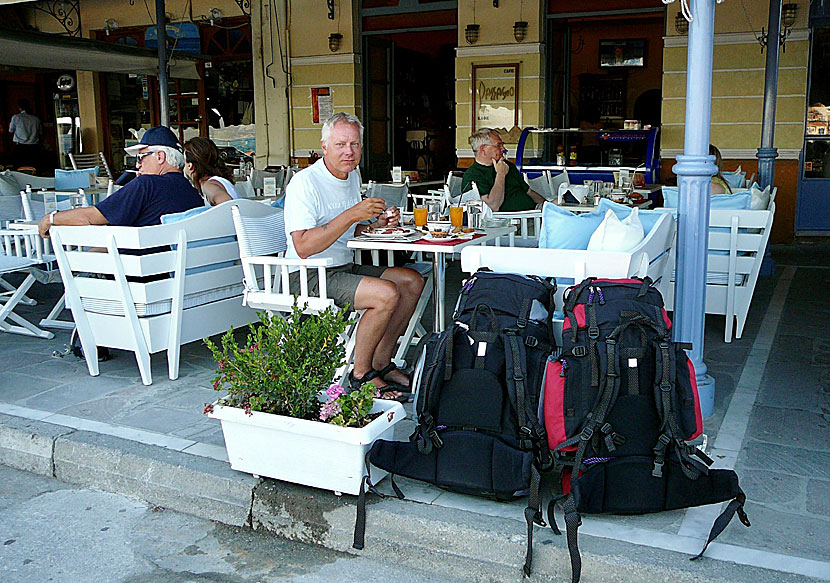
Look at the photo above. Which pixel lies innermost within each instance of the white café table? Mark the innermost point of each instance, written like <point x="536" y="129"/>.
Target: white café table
<point x="438" y="260"/>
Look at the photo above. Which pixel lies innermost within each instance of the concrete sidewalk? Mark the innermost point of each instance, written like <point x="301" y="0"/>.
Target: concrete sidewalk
<point x="770" y="423"/>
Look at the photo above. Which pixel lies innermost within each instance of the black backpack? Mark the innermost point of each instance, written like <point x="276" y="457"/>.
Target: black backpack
<point x="478" y="396"/>
<point x="620" y="402"/>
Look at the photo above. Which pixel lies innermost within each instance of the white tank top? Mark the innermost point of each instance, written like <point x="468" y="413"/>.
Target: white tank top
<point x="226" y="184"/>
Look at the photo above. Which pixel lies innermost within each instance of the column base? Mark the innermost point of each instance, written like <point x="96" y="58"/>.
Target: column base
<point x="706" y="392"/>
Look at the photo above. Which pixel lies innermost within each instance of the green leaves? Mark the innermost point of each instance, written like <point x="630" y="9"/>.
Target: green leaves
<point x="285" y="363"/>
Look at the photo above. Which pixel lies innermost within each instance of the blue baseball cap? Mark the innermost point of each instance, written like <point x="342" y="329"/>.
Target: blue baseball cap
<point x="157" y="136"/>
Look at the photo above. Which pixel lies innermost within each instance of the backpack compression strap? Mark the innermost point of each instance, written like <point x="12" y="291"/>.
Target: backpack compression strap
<point x="572" y="523"/>
<point x="736" y="505"/>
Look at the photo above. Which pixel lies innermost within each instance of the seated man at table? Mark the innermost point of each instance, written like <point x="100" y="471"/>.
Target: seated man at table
<point x="499" y="182"/>
<point x="160" y="189"/>
<point x="323" y="210"/>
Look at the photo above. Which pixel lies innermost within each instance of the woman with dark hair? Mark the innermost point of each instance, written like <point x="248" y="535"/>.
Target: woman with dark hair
<point x="211" y="177"/>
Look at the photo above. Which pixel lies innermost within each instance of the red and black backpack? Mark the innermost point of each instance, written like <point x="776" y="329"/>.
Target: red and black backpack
<point x="619" y="405"/>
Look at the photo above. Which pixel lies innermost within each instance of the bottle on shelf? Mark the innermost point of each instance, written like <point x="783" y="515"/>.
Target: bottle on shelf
<point x="560" y="155"/>
<point x="572" y="156"/>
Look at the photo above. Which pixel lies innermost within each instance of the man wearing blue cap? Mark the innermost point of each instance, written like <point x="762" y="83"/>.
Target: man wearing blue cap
<point x="160" y="189"/>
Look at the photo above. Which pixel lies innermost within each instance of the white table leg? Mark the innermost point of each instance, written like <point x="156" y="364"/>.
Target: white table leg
<point x="438" y="291"/>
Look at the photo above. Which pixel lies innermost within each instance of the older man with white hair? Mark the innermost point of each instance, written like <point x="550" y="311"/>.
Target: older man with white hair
<point x="323" y="210"/>
<point x="160" y="189"/>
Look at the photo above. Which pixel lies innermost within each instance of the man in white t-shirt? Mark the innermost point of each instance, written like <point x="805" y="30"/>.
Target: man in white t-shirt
<point x="323" y="210"/>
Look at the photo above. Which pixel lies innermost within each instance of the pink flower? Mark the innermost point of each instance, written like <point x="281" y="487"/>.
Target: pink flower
<point x="221" y="365"/>
<point x="216" y="385"/>
<point x="335" y="391"/>
<point x="329" y="409"/>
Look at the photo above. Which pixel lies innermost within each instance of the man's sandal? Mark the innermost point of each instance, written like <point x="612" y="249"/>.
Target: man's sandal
<point x="398" y="386"/>
<point x="357" y="382"/>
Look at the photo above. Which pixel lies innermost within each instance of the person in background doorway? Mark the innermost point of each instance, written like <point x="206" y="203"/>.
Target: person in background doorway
<point x="719" y="184"/>
<point x="208" y="172"/>
<point x="25" y="129"/>
<point x="499" y="182"/>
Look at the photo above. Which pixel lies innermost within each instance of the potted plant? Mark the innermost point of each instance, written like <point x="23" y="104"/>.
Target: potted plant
<point x="282" y="419"/>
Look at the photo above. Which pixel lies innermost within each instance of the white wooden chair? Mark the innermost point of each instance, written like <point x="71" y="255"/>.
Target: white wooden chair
<point x="649" y="258"/>
<point x="84" y="161"/>
<point x="528" y="223"/>
<point x="737" y="242"/>
<point x="267" y="274"/>
<point x="22" y="252"/>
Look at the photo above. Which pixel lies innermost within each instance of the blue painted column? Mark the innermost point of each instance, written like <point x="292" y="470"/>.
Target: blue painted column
<point x="767" y="153"/>
<point x="694" y="170"/>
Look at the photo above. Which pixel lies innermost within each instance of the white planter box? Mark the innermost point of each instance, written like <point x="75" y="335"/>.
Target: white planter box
<point x="306" y="452"/>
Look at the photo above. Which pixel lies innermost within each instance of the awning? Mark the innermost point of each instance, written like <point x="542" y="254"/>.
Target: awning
<point x="52" y="51"/>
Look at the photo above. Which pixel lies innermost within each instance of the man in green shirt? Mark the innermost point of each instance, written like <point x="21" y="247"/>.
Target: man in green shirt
<point x="499" y="182"/>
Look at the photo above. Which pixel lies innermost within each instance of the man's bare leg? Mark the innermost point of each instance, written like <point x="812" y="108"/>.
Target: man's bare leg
<point x="379" y="298"/>
<point x="409" y="284"/>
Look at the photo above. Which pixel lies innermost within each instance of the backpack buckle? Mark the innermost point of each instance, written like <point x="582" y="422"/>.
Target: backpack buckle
<point x="586" y="434"/>
<point x="593" y="332"/>
<point x="579" y="350"/>
<point x="532" y="341"/>
<point x="521" y="322"/>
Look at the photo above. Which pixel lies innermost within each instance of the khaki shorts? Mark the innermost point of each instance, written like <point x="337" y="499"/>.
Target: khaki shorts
<point x="341" y="281"/>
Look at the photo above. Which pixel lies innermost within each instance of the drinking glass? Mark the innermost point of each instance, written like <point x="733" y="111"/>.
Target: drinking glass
<point x="420" y="215"/>
<point x="456" y="216"/>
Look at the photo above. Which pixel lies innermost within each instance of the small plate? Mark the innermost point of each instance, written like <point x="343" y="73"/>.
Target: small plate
<point x="389" y="233"/>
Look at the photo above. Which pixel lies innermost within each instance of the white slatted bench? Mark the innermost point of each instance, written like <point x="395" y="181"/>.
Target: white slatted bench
<point x="196" y="288"/>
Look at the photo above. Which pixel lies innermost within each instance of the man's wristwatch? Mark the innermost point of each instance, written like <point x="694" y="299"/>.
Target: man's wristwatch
<point x="52" y="218"/>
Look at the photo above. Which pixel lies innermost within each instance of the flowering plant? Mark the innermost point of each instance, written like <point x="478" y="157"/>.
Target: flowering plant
<point x="348" y="409"/>
<point x="284" y="364"/>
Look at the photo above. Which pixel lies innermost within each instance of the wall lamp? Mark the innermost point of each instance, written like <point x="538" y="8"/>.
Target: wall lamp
<point x="471" y="33"/>
<point x="335" y="39"/>
<point x="681" y="25"/>
<point x="520" y="30"/>
<point x="788" y="14"/>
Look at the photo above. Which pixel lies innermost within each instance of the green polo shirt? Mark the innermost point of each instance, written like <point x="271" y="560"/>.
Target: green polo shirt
<point x="515" y="188"/>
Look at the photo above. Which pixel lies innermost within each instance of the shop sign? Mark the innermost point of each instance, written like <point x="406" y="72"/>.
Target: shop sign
<point x="496" y="96"/>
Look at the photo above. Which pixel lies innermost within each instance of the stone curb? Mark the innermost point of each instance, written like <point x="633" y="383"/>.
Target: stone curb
<point x="466" y="545"/>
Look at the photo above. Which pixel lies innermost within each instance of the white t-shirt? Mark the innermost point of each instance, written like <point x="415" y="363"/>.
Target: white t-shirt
<point x="315" y="197"/>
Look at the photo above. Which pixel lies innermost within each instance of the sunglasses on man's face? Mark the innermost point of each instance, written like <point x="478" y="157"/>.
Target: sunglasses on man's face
<point x="143" y="155"/>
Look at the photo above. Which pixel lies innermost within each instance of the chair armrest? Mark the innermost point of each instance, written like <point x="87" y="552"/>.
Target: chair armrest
<point x="269" y="260"/>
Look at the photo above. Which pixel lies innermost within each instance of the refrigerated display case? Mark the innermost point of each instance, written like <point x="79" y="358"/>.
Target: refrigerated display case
<point x="593" y="154"/>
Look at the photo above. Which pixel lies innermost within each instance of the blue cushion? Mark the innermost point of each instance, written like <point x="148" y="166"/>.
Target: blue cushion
<point x="735" y="202"/>
<point x="648" y="218"/>
<point x="73" y="179"/>
<point x="562" y="229"/>
<point x="734" y="179"/>
<point x="279" y="203"/>
<point x="176" y="217"/>
<point x="738" y="201"/>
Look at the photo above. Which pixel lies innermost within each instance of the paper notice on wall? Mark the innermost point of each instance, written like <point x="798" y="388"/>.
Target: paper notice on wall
<point x="321" y="105"/>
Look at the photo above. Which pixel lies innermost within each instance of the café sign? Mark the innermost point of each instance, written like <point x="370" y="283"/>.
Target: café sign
<point x="495" y="96"/>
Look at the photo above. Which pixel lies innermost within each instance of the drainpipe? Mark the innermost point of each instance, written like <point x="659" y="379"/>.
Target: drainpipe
<point x="161" y="34"/>
<point x="767" y="153"/>
<point x="694" y="170"/>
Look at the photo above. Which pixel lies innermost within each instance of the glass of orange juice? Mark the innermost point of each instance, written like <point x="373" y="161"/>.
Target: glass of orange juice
<point x="420" y="216"/>
<point x="456" y="216"/>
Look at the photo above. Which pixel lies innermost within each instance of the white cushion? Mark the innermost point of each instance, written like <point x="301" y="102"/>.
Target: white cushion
<point x="616" y="235"/>
<point x="760" y="199"/>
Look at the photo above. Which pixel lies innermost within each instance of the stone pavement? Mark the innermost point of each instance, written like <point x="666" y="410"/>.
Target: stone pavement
<point x="770" y="423"/>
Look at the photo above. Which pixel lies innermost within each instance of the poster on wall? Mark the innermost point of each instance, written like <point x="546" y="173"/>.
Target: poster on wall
<point x="321" y="106"/>
<point x="496" y="96"/>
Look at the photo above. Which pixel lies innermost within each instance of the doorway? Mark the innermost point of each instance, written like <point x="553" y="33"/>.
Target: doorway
<point x="409" y="99"/>
<point x="813" y="212"/>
